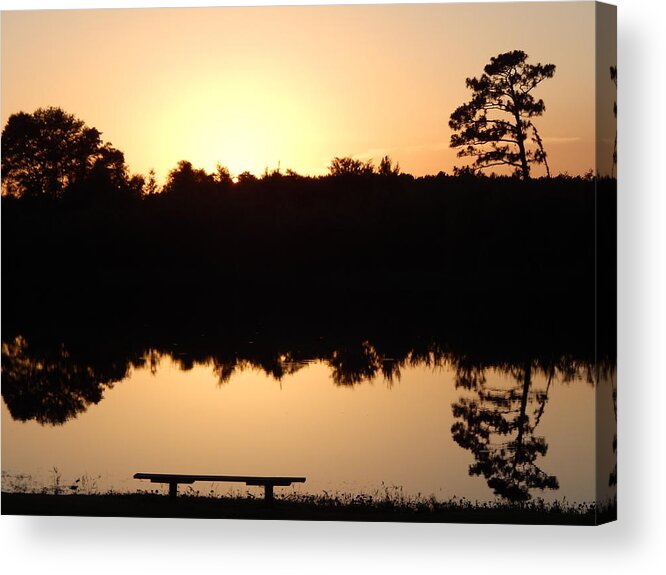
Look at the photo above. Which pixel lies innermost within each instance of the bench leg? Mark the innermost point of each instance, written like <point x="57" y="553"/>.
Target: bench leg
<point x="173" y="490"/>
<point x="268" y="491"/>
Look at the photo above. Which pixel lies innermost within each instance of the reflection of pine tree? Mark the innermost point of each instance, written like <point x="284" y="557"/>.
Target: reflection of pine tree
<point x="498" y="430"/>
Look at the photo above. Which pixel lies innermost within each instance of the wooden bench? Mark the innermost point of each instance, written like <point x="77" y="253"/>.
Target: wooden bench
<point x="174" y="479"/>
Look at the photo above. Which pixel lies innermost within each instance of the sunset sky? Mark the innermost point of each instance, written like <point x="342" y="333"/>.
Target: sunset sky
<point x="252" y="88"/>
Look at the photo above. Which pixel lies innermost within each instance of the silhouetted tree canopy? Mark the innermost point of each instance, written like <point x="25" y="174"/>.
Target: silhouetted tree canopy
<point x="50" y="151"/>
<point x="185" y="179"/>
<point x="495" y="126"/>
<point x="222" y="177"/>
<point x="151" y="186"/>
<point x="350" y="167"/>
<point x="246" y="177"/>
<point x="386" y="167"/>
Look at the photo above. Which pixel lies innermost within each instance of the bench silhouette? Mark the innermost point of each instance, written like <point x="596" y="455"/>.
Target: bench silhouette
<point x="174" y="479"/>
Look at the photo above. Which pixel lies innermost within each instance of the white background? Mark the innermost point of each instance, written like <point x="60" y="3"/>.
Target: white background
<point x="633" y="544"/>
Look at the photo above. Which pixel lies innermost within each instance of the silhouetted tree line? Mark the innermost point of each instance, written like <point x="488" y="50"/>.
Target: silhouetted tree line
<point x="82" y="241"/>
<point x="440" y="234"/>
<point x="437" y="246"/>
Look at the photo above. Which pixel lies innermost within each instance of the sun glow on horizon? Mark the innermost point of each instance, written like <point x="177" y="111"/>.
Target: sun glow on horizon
<point x="252" y="89"/>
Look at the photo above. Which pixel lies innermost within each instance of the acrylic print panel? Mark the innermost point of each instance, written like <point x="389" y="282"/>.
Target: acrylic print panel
<point x="332" y="262"/>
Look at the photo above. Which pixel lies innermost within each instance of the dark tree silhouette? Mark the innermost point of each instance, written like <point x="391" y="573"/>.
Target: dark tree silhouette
<point x="498" y="430"/>
<point x="185" y="180"/>
<point x="495" y="125"/>
<point x="350" y="167"/>
<point x="150" y="185"/>
<point x="222" y="177"/>
<point x="46" y="152"/>
<point x="107" y="179"/>
<point x="387" y="168"/>
<point x="246" y="177"/>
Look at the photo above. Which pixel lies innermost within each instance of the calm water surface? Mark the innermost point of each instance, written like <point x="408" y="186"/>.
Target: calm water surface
<point x="422" y="429"/>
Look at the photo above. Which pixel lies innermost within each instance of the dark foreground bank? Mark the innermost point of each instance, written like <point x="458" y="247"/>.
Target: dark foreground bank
<point x="308" y="508"/>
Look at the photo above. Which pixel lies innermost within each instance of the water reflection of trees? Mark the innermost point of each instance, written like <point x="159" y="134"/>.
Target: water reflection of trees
<point x="51" y="381"/>
<point x="51" y="384"/>
<point x="497" y="416"/>
<point x="498" y="425"/>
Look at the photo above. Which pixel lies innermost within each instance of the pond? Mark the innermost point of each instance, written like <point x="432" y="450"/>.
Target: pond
<point x="419" y="422"/>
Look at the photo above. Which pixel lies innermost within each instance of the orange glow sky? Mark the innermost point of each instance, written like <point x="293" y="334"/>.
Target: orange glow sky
<point x="253" y="87"/>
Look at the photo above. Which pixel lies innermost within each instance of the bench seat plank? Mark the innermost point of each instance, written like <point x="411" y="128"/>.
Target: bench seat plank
<point x="247" y="479"/>
<point x="174" y="479"/>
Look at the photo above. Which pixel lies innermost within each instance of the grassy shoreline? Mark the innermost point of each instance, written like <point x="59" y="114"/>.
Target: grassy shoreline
<point x="305" y="507"/>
